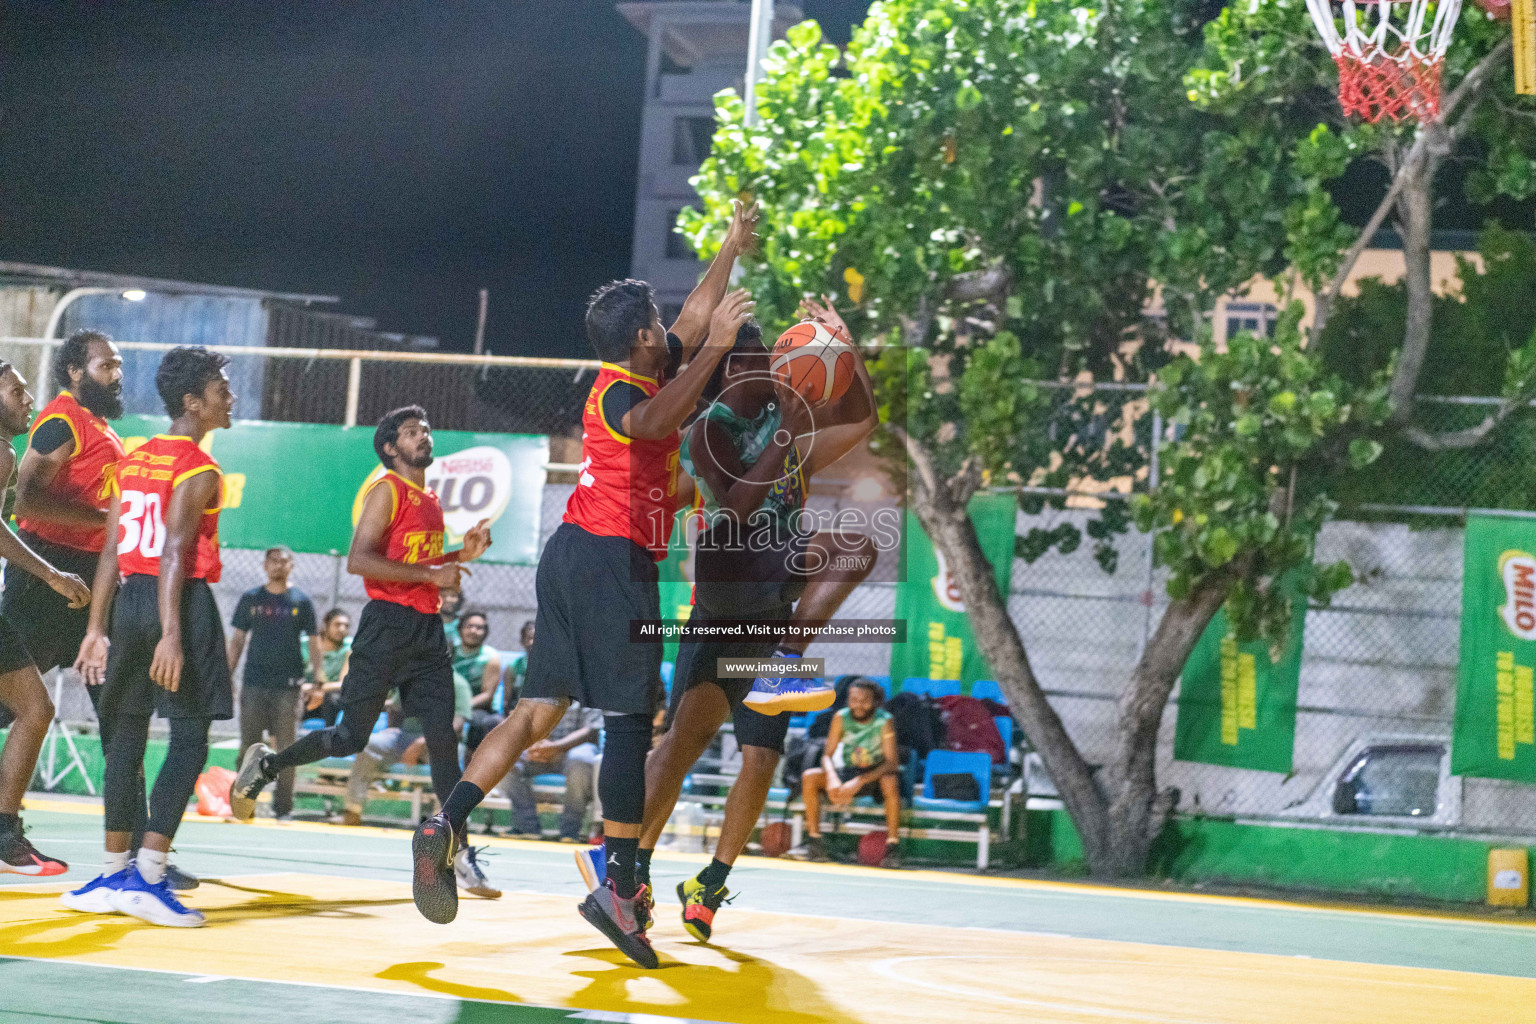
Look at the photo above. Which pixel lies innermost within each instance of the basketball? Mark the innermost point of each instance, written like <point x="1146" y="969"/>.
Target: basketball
<point x="816" y="361"/>
<point x="872" y="848"/>
<point x="776" y="838"/>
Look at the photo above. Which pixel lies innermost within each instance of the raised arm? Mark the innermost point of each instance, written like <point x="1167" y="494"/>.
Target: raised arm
<point x="693" y="320"/>
<point x="840" y="426"/>
<point x="664" y="412"/>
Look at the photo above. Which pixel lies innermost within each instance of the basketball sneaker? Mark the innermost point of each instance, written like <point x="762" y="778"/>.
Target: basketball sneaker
<point x="249" y="783"/>
<point x="434" y="886"/>
<point x="796" y="694"/>
<point x="153" y="902"/>
<point x="95" y="896"/>
<point x="592" y="862"/>
<point x="700" y="906"/>
<point x="622" y="920"/>
<point x="466" y="871"/>
<point x="19" y="857"/>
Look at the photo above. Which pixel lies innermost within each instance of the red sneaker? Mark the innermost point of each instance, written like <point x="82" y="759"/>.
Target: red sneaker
<point x="20" y="857"/>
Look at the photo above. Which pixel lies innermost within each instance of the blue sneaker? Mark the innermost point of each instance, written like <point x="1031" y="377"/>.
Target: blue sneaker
<point x="95" y="896"/>
<point x="155" y="903"/>
<point x="592" y="862"/>
<point x="791" y="693"/>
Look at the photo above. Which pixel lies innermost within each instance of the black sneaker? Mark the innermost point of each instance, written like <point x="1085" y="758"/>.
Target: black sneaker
<point x="816" y="849"/>
<point x="179" y="880"/>
<point x="19" y="857"/>
<point x="249" y="782"/>
<point x="892" y="858"/>
<point x="433" y="885"/>
<point x="622" y="921"/>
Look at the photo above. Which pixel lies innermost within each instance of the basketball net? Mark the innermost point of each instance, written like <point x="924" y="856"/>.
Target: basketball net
<point x="1390" y="54"/>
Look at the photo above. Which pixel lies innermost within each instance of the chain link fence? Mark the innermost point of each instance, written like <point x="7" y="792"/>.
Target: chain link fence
<point x="1379" y="664"/>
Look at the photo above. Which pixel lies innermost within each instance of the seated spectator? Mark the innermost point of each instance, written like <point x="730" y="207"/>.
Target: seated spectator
<point x="322" y="699"/>
<point x="570" y="749"/>
<point x="862" y="762"/>
<point x="480" y="663"/>
<point x="401" y="743"/>
<point x="512" y="678"/>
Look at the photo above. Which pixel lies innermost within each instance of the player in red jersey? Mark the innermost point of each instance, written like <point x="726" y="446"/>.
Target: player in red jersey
<point x="598" y="573"/>
<point x="398" y="550"/>
<point x="21" y="685"/>
<point x="166" y="649"/>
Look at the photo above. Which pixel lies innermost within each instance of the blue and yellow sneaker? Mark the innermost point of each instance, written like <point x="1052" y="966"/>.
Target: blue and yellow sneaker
<point x="592" y="862"/>
<point x="794" y="694"/>
<point x="95" y="896"/>
<point x="153" y="902"/>
<point x="700" y="907"/>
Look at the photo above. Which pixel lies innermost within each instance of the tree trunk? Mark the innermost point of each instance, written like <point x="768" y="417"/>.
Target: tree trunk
<point x="941" y="507"/>
<point x="1137" y="812"/>
<point x="1414" y="219"/>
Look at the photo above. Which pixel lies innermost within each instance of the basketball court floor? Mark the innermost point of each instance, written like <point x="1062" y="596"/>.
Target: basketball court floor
<point x="311" y="922"/>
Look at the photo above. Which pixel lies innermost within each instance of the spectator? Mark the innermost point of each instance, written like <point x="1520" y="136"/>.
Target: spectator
<point x="512" y="679"/>
<point x="862" y="762"/>
<point x="570" y="749"/>
<point x="274" y="617"/>
<point x="453" y="600"/>
<point x="480" y="663"/>
<point x="322" y="700"/>
<point x="394" y="744"/>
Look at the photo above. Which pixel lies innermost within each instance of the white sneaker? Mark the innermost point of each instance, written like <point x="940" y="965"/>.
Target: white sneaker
<point x="95" y="896"/>
<point x="466" y="871"/>
<point x="155" y="903"/>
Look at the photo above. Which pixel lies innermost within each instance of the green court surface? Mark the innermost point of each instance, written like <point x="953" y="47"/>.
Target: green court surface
<point x="310" y="922"/>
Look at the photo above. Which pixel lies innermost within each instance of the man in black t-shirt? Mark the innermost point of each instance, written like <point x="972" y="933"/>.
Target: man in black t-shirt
<point x="274" y="617"/>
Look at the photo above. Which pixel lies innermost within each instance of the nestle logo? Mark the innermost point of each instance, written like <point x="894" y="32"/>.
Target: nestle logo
<point x="452" y="465"/>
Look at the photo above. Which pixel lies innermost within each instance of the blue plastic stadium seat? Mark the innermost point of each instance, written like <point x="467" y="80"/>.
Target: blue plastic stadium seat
<point x="778" y="794"/>
<point x="551" y="779"/>
<point x="1005" y="730"/>
<point x="800" y="721"/>
<point x="382" y="723"/>
<point x="987" y="689"/>
<point x="311" y="724"/>
<point x="949" y="762"/>
<point x="934" y="688"/>
<point x="336" y="762"/>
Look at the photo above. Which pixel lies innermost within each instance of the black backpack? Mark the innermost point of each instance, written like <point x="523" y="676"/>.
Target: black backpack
<point x="919" y="723"/>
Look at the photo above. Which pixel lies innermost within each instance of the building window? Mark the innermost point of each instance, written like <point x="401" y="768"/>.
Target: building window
<point x="1253" y="317"/>
<point x="1400" y="781"/>
<point x="691" y="137"/>
<point x="677" y="247"/>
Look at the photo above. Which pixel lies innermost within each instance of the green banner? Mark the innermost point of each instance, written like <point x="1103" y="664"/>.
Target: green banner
<point x="301" y="484"/>
<point x="939" y="640"/>
<point x="1495" y="735"/>
<point x="1237" y="705"/>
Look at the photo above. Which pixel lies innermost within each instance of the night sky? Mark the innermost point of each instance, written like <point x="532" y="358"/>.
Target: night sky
<point x="401" y="155"/>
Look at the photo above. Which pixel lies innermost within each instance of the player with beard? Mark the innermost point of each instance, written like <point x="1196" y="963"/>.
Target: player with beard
<point x="398" y="550"/>
<point x="21" y="685"/>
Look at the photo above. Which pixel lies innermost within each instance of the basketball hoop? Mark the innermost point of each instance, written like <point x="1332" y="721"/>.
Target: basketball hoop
<point x="1389" y="56"/>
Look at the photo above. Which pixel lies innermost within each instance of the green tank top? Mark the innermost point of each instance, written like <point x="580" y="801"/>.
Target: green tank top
<point x="860" y="746"/>
<point x="751" y="437"/>
<point x="472" y="667"/>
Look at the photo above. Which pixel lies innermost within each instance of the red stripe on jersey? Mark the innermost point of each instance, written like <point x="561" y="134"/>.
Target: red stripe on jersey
<point x="415" y="536"/>
<point x="85" y="478"/>
<point x="626" y="487"/>
<point x="146" y="479"/>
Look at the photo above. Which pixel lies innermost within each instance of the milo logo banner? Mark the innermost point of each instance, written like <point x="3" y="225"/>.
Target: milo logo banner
<point x="1495" y="734"/>
<point x="1237" y="701"/>
<point x="302" y="484"/>
<point x="940" y="644"/>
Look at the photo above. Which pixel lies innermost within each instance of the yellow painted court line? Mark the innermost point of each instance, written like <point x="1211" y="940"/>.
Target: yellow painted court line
<point x="905" y="875"/>
<point x="764" y="967"/>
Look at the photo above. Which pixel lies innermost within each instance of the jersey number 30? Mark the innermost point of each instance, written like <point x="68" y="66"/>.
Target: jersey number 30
<point x="143" y="525"/>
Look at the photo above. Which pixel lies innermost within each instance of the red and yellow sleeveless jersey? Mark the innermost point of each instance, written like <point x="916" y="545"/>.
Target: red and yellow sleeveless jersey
<point x="626" y="487"/>
<point x="145" y="480"/>
<point x="86" y="478"/>
<point x="414" y="536"/>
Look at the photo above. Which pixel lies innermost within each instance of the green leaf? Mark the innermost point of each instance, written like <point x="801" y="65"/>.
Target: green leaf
<point x="1363" y="451"/>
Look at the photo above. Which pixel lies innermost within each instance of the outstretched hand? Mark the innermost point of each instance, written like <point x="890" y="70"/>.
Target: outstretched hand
<point x="822" y="310"/>
<point x="734" y="310"/>
<point x="741" y="236"/>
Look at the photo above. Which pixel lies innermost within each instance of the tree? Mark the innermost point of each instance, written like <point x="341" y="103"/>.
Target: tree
<point x="1002" y="188"/>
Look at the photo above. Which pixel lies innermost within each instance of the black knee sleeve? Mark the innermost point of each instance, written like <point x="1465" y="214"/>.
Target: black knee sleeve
<point x="621" y="783"/>
<point x="185" y="756"/>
